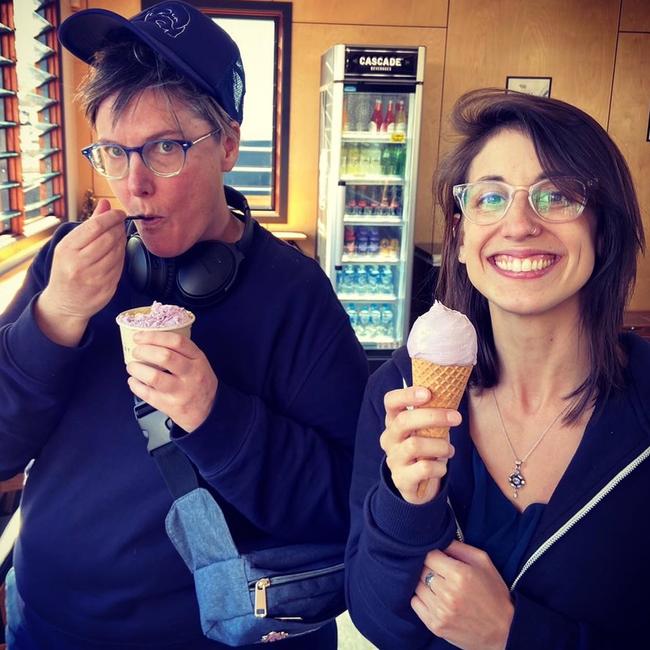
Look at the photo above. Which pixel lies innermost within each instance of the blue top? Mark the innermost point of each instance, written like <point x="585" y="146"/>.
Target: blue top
<point x="496" y="526"/>
<point x="585" y="584"/>
<point x="93" y="561"/>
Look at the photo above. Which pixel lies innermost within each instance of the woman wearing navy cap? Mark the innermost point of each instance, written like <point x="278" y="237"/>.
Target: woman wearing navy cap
<point x="263" y="399"/>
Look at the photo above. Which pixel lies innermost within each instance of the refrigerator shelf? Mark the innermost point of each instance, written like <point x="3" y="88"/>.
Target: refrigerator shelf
<point x="364" y="136"/>
<point x="367" y="179"/>
<point x="369" y="259"/>
<point x="360" y="220"/>
<point x="366" y="297"/>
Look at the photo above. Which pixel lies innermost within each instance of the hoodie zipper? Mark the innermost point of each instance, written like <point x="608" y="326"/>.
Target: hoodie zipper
<point x="595" y="500"/>
<point x="459" y="533"/>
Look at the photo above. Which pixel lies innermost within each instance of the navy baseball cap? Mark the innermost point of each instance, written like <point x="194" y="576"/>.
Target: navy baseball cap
<point x="187" y="39"/>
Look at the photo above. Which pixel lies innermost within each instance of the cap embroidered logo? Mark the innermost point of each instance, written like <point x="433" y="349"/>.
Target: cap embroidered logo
<point x="172" y="20"/>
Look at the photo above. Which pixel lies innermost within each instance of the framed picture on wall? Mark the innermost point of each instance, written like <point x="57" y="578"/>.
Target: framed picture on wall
<point x="647" y="136"/>
<point x="540" y="86"/>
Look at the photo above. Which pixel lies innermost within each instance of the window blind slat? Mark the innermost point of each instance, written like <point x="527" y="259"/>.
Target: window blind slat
<point x="11" y="214"/>
<point x="41" y="204"/>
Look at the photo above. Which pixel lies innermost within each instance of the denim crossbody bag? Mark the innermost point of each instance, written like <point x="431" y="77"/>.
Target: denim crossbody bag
<point x="244" y="598"/>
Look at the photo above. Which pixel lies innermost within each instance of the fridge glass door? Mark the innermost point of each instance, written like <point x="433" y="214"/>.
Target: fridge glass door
<point x="374" y="172"/>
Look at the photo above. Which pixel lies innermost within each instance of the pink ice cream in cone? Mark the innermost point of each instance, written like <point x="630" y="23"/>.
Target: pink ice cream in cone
<point x="442" y="345"/>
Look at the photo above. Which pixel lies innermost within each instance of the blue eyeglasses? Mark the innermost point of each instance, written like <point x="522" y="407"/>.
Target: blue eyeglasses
<point x="164" y="158"/>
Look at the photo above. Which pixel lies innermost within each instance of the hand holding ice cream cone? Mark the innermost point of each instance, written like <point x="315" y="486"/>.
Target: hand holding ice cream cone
<point x="443" y="348"/>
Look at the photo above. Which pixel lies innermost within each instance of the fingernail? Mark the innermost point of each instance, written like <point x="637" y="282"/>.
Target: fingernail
<point x="453" y="418"/>
<point x="421" y="393"/>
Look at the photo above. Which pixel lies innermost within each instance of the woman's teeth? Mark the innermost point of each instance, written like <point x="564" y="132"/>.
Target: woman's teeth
<point x="523" y="264"/>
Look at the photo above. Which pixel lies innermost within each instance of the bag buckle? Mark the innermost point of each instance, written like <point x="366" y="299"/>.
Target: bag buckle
<point x="155" y="426"/>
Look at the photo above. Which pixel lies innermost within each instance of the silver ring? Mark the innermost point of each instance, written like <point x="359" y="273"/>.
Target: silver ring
<point x="428" y="579"/>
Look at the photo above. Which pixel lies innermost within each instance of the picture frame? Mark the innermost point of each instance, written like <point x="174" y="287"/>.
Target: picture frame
<point x="539" y="86"/>
<point x="647" y="135"/>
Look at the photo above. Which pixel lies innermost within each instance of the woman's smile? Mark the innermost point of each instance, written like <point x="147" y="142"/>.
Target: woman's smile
<point x="524" y="266"/>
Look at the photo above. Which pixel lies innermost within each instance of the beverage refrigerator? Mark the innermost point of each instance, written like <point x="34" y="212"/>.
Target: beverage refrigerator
<point x="370" y="112"/>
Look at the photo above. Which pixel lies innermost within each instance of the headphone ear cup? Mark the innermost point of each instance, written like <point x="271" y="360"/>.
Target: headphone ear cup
<point x="206" y="272"/>
<point x="148" y="273"/>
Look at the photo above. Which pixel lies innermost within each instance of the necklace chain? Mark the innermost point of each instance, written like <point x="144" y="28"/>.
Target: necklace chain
<point x="516" y="479"/>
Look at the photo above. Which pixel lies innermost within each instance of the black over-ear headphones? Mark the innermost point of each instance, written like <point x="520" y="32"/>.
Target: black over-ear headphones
<point x="200" y="277"/>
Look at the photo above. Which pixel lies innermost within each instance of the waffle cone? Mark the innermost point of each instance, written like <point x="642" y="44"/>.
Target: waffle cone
<point x="447" y="385"/>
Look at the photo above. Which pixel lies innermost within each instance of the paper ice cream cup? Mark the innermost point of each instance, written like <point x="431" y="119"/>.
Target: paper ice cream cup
<point x="128" y="331"/>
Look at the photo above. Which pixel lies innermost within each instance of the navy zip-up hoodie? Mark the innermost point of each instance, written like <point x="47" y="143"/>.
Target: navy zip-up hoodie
<point x="583" y="580"/>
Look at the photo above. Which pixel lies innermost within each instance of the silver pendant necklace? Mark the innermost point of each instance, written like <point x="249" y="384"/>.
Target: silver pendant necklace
<point x="516" y="479"/>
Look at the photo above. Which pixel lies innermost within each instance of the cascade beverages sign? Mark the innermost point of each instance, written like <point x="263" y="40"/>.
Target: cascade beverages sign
<point x="361" y="62"/>
<point x="381" y="61"/>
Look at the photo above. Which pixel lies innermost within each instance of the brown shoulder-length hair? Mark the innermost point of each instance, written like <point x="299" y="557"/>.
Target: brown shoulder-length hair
<point x="568" y="141"/>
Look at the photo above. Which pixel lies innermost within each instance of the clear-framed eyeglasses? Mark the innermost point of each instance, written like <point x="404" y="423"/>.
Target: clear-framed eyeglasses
<point x="164" y="157"/>
<point x="554" y="200"/>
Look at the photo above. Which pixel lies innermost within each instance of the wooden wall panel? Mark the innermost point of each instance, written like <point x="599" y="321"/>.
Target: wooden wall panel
<point x="629" y="128"/>
<point x="635" y="16"/>
<point x="311" y="41"/>
<point x="574" y="43"/>
<point x="427" y="13"/>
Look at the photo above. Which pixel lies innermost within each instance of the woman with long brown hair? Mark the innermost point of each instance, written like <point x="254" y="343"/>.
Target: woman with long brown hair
<point x="531" y="535"/>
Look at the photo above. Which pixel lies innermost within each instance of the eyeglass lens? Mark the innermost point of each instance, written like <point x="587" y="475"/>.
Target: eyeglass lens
<point x="553" y="200"/>
<point x="164" y="157"/>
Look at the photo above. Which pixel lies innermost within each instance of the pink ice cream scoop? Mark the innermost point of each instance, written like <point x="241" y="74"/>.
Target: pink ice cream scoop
<point x="156" y="317"/>
<point x="163" y="318"/>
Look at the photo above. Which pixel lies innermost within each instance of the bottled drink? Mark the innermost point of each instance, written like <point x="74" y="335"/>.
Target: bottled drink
<point x="363" y="113"/>
<point x="374" y="167"/>
<point x="384" y="206"/>
<point x="346" y="114"/>
<point x="399" y="159"/>
<point x="353" y="166"/>
<point x="351" y="200"/>
<point x="353" y="315"/>
<point x="374" y="200"/>
<point x="387" y="321"/>
<point x="367" y="211"/>
<point x="376" y="328"/>
<point x="361" y="241"/>
<point x="373" y="278"/>
<point x="348" y="279"/>
<point x="386" y="280"/>
<point x="339" y="281"/>
<point x="361" y="281"/>
<point x="396" y="201"/>
<point x="362" y="200"/>
<point x="384" y="247"/>
<point x="344" y="160"/>
<point x="388" y="125"/>
<point x="377" y="118"/>
<point x="373" y="241"/>
<point x="363" y="328"/>
<point x="364" y="158"/>
<point x="349" y="239"/>
<point x="400" y="117"/>
<point x="387" y="160"/>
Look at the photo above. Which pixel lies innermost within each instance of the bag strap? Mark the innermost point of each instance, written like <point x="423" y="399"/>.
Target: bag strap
<point x="175" y="467"/>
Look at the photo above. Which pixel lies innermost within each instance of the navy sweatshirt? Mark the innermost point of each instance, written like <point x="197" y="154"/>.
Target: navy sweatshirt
<point x="93" y="559"/>
<point x="582" y="584"/>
